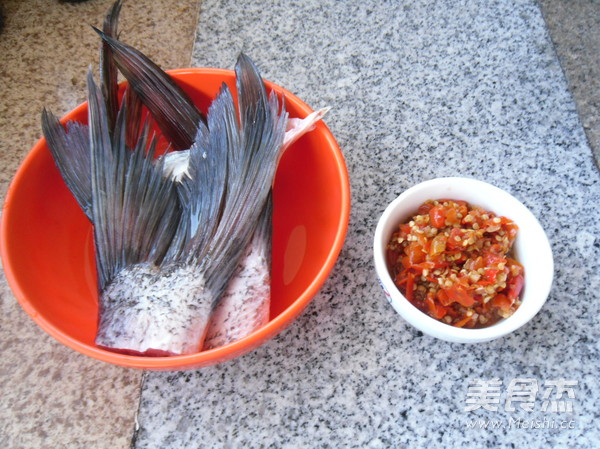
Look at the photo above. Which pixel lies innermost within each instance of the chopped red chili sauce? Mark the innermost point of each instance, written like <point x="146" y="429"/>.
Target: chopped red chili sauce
<point x="455" y="262"/>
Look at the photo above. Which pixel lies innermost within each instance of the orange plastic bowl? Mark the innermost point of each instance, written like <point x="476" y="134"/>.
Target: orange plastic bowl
<point x="48" y="253"/>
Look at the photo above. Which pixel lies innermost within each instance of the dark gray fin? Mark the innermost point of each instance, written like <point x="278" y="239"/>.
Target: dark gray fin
<point x="70" y="149"/>
<point x="202" y="192"/>
<point x="250" y="174"/>
<point x="135" y="209"/>
<point x="134" y="117"/>
<point x="174" y="112"/>
<point x="264" y="227"/>
<point x="252" y="93"/>
<point x="108" y="68"/>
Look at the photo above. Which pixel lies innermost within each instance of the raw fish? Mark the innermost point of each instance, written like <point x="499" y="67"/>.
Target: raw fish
<point x="183" y="241"/>
<point x="158" y="301"/>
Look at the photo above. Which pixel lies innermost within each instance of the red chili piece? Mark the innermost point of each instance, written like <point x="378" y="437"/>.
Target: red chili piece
<point x="454" y="262"/>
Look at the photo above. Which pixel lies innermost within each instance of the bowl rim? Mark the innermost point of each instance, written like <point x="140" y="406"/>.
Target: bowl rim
<point x="215" y="355"/>
<point x="424" y="322"/>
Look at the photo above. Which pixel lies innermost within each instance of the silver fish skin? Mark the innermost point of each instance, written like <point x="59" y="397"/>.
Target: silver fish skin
<point x="244" y="306"/>
<point x="155" y="311"/>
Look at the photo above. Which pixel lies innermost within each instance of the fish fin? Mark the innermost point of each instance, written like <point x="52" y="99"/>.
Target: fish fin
<point x="264" y="228"/>
<point x="135" y="209"/>
<point x="202" y="191"/>
<point x="133" y="106"/>
<point x="108" y="68"/>
<point x="71" y="152"/>
<point x="252" y="92"/>
<point x="174" y="112"/>
<point x="296" y="127"/>
<point x="251" y="169"/>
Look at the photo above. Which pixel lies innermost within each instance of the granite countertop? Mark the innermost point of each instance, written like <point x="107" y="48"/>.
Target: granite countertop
<point x="418" y="90"/>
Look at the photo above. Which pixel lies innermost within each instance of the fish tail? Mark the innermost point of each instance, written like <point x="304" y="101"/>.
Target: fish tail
<point x="135" y="209"/>
<point x="174" y="112"/>
<point x="70" y="150"/>
<point x="251" y="168"/>
<point x="240" y="257"/>
<point x="245" y="304"/>
<point x="147" y="306"/>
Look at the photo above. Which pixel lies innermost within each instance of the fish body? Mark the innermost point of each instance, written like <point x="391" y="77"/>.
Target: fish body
<point x="156" y="311"/>
<point x="244" y="306"/>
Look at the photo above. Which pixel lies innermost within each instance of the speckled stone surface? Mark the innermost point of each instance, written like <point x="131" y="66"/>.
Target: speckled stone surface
<point x="51" y="396"/>
<point x="419" y="90"/>
<point x="575" y="31"/>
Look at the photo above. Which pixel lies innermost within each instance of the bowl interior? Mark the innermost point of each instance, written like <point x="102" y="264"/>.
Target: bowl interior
<point x="48" y="253"/>
<point x="531" y="248"/>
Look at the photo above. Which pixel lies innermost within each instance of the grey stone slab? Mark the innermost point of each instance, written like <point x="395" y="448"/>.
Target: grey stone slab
<point x="418" y="90"/>
<point x="575" y="31"/>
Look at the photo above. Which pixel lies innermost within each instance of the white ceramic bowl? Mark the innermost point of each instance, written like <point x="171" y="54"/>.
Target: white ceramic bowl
<point x="531" y="247"/>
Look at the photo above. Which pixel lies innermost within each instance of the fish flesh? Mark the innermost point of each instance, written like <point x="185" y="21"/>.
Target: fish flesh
<point x="244" y="306"/>
<point x="182" y="241"/>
